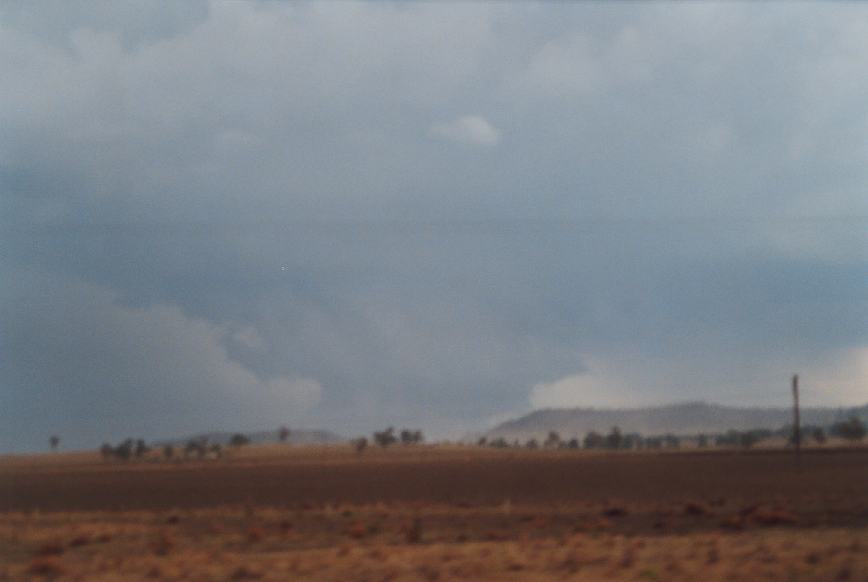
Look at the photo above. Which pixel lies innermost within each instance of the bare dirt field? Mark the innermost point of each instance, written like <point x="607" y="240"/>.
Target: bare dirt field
<point x="435" y="513"/>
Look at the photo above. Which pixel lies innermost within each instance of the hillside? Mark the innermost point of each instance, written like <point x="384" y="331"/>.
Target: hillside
<point x="682" y="419"/>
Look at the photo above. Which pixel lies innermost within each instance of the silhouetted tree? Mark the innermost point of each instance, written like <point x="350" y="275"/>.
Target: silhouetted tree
<point x="671" y="441"/>
<point x="553" y="440"/>
<point x="197" y="447"/>
<point x="614" y="439"/>
<point x="411" y="437"/>
<point x="573" y="443"/>
<point x="654" y="443"/>
<point x="238" y="440"/>
<point x="168" y="452"/>
<point x="632" y="440"/>
<point x="532" y="444"/>
<point x="593" y="440"/>
<point x="217" y="450"/>
<point x="54" y="442"/>
<point x="386" y="437"/>
<point x="819" y="436"/>
<point x="141" y="449"/>
<point x="499" y="443"/>
<point x="124" y="450"/>
<point x="283" y="434"/>
<point x="482" y="442"/>
<point x="360" y="444"/>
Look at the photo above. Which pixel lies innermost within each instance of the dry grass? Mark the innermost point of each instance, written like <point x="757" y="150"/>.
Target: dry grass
<point x="435" y="514"/>
<point x="397" y="542"/>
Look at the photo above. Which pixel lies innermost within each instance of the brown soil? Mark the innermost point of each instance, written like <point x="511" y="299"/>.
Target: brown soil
<point x="438" y="513"/>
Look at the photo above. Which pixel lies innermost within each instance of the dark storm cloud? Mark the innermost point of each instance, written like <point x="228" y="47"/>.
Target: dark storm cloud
<point x="347" y="215"/>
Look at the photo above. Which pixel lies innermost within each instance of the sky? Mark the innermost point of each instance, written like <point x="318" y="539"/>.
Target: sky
<point x="238" y="215"/>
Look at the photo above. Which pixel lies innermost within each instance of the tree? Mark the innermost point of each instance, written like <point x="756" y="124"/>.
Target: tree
<point x="632" y="441"/>
<point x="654" y="443"/>
<point x="482" y="442"/>
<point x="532" y="444"/>
<point x="411" y="437"/>
<point x="168" y="452"/>
<point x="238" y="440"/>
<point x="283" y="434"/>
<point x="614" y="439"/>
<point x="141" y="449"/>
<point x="593" y="440"/>
<point x="386" y="437"/>
<point x="54" y="442"/>
<point x="124" y="450"/>
<point x="499" y="443"/>
<point x="819" y="436"/>
<point x="573" y="443"/>
<point x="851" y="429"/>
<point x="197" y="447"/>
<point x="360" y="444"/>
<point x="671" y="441"/>
<point x="553" y="440"/>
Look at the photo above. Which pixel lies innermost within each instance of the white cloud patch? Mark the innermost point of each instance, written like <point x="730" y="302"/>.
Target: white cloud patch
<point x="469" y="129"/>
<point x="838" y="378"/>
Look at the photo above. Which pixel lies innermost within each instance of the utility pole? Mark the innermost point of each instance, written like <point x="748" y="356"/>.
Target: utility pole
<point x="797" y="431"/>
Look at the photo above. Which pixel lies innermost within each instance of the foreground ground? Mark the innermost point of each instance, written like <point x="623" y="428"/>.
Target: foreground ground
<point x="430" y="514"/>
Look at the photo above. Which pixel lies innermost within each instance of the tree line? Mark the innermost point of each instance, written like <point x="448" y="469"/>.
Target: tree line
<point x="852" y="429"/>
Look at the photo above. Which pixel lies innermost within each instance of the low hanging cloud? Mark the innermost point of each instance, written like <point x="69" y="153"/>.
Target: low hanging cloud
<point x="469" y="129"/>
<point x="637" y="380"/>
<point x="93" y="368"/>
<point x="241" y="202"/>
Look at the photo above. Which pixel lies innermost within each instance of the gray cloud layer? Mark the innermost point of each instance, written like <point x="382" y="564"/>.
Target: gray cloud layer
<point x="346" y="215"/>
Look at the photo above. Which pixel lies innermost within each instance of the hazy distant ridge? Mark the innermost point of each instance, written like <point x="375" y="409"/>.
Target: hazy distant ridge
<point x="686" y="418"/>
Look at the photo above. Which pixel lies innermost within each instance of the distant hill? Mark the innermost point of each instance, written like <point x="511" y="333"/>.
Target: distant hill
<point x="681" y="419"/>
<point x="296" y="437"/>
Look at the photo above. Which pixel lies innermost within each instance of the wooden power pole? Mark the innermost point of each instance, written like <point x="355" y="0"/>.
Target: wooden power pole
<point x="797" y="431"/>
